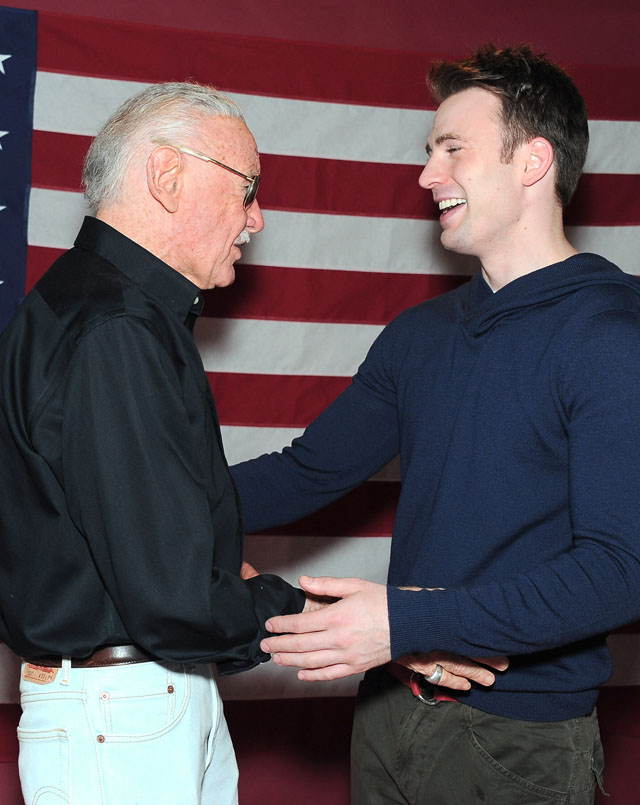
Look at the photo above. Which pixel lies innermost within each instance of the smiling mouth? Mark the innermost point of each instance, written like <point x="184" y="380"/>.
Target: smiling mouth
<point x="448" y="204"/>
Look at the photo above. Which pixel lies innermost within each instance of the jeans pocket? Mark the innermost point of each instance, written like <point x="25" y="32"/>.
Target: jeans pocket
<point x="44" y="759"/>
<point x="44" y="766"/>
<point x="539" y="758"/>
<point x="144" y="709"/>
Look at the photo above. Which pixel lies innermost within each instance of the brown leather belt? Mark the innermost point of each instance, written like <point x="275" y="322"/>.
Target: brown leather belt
<point x="101" y="658"/>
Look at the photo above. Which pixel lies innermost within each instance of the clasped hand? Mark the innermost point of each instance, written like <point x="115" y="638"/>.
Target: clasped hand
<point x="351" y="635"/>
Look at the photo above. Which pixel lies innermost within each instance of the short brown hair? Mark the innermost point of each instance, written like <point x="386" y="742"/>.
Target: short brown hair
<point x="538" y="99"/>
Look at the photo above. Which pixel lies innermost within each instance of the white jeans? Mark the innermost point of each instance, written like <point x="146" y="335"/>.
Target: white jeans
<point x="143" y="734"/>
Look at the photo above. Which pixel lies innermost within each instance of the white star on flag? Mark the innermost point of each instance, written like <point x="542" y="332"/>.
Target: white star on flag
<point x="2" y="208"/>
<point x="3" y="59"/>
<point x="2" y="133"/>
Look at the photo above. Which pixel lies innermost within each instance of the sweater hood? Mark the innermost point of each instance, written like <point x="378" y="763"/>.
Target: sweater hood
<point x="482" y="308"/>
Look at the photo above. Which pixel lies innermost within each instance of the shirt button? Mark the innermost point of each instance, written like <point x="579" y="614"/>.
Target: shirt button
<point x="196" y="300"/>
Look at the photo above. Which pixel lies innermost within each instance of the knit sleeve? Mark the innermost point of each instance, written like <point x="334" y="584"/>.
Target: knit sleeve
<point x="350" y="441"/>
<point x="594" y="585"/>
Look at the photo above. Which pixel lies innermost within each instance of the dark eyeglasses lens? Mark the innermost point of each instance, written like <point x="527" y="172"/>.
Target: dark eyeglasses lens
<point x="252" y="192"/>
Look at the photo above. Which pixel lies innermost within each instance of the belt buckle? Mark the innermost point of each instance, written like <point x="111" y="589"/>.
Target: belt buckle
<point x="422" y="690"/>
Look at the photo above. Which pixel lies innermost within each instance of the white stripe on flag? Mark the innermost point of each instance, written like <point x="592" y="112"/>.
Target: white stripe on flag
<point x="79" y="105"/>
<point x="613" y="147"/>
<point x="242" y="443"/>
<point x="313" y="129"/>
<point x="256" y="346"/>
<point x="342" y="242"/>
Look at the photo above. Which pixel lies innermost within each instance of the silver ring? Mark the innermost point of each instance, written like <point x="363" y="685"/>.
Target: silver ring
<point x="436" y="676"/>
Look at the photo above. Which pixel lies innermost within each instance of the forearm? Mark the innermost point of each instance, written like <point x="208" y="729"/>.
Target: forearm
<point x="586" y="592"/>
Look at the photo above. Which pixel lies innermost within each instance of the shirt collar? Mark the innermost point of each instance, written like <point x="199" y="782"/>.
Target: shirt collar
<point x="140" y="266"/>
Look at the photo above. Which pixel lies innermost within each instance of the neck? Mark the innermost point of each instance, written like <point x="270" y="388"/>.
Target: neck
<point x="138" y="227"/>
<point x="507" y="263"/>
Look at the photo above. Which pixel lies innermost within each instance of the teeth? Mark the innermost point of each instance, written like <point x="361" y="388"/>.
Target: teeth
<point x="451" y="202"/>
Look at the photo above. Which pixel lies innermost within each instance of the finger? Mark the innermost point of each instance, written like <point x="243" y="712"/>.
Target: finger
<point x="312" y="659"/>
<point x="469" y="670"/>
<point x="309" y="621"/>
<point x="296" y="643"/>
<point x="331" y="586"/>
<point x="455" y="670"/>
<point x="453" y="681"/>
<point x="499" y="663"/>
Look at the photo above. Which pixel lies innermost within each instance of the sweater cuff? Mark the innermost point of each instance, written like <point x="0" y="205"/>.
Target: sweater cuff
<point x="423" y="621"/>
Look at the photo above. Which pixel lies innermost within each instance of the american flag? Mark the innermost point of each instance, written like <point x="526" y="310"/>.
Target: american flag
<point x="17" y="81"/>
<point x="349" y="241"/>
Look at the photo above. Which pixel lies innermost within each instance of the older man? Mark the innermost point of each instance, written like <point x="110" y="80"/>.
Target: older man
<point x="513" y="404"/>
<point x="120" y="528"/>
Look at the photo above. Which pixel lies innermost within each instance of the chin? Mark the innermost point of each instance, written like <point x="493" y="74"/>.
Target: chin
<point x="455" y="243"/>
<point x="224" y="279"/>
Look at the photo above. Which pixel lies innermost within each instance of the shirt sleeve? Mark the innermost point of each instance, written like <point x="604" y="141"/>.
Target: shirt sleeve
<point x="594" y="586"/>
<point x="139" y="490"/>
<point x="346" y="444"/>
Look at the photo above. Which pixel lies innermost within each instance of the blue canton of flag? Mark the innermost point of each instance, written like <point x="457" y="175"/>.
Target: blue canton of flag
<point x="18" y="55"/>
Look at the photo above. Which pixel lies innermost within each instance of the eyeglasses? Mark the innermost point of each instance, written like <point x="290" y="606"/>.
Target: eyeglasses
<point x="252" y="189"/>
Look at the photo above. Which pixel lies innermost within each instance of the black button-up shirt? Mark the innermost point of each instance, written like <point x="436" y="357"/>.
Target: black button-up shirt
<point x="119" y="521"/>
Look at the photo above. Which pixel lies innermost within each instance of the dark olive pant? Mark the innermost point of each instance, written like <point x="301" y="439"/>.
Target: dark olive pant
<point x="410" y="753"/>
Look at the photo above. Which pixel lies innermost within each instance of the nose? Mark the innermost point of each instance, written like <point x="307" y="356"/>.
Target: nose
<point x="255" y="221"/>
<point x="432" y="174"/>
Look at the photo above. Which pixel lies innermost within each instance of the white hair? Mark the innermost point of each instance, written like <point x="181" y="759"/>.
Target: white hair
<point x="159" y="112"/>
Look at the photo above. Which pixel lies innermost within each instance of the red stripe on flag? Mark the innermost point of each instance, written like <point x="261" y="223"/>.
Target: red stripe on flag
<point x="279" y="401"/>
<point x="299" y="294"/>
<point x="368" y="511"/>
<point x="288" y="183"/>
<point x="57" y="160"/>
<point x="392" y="191"/>
<point x="111" y="49"/>
<point x="39" y="259"/>
<point x="349" y="188"/>
<point x="594" y="205"/>
<point x="281" y="763"/>
<point x="328" y="295"/>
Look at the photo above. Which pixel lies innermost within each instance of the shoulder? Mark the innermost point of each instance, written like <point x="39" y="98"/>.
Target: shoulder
<point x="602" y="346"/>
<point x="429" y="316"/>
<point x="83" y="291"/>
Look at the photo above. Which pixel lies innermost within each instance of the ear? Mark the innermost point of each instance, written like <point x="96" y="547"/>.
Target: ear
<point x="538" y="159"/>
<point x="164" y="176"/>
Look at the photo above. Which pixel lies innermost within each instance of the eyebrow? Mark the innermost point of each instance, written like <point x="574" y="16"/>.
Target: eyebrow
<point x="449" y="135"/>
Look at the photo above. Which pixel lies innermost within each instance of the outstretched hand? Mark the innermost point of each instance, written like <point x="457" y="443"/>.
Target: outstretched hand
<point x="333" y="640"/>
<point x="343" y="638"/>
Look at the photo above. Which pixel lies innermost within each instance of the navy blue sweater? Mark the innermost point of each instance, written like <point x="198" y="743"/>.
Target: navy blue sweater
<point x="516" y="418"/>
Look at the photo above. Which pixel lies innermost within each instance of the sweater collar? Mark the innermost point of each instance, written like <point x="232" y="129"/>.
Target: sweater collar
<point x="482" y="308"/>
